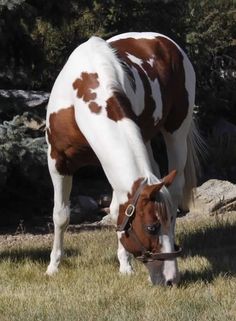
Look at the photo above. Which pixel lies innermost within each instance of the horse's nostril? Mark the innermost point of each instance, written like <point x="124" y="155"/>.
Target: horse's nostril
<point x="169" y="283"/>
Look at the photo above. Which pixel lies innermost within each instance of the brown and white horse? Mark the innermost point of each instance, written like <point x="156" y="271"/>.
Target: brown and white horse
<point x="110" y="99"/>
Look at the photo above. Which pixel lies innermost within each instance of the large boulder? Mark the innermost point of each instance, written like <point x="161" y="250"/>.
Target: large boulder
<point x="24" y="181"/>
<point x="215" y="197"/>
<point x="22" y="137"/>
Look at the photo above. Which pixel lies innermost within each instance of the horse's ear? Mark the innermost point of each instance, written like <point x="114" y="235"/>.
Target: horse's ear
<point x="168" y="180"/>
<point x="150" y="191"/>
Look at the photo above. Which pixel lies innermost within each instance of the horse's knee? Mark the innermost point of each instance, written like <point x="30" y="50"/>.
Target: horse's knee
<point x="114" y="208"/>
<point x="61" y="216"/>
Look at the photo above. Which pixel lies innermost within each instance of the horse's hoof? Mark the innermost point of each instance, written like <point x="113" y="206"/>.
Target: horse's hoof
<point x="127" y="270"/>
<point x="51" y="270"/>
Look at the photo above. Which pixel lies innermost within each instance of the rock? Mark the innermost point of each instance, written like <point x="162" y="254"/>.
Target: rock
<point x="26" y="98"/>
<point x="83" y="208"/>
<point x="16" y="102"/>
<point x="104" y="201"/>
<point x="215" y="196"/>
<point x="25" y="187"/>
<point x="108" y="220"/>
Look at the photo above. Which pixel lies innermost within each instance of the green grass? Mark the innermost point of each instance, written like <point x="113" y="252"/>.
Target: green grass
<point x="89" y="286"/>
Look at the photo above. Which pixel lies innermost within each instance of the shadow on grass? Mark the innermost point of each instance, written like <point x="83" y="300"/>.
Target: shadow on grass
<point x="19" y="254"/>
<point x="33" y="254"/>
<point x="217" y="244"/>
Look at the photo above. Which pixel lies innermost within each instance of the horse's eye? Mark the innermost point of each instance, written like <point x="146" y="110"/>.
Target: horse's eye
<point x="153" y="229"/>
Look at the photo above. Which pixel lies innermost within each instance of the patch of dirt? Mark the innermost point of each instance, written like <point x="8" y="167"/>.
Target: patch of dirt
<point x="9" y="240"/>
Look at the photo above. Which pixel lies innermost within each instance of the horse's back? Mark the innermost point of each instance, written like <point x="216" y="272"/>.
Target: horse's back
<point x="163" y="80"/>
<point x="158" y="81"/>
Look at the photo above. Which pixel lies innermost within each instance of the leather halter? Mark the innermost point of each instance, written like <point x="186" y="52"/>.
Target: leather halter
<point x="130" y="209"/>
<point x="126" y="226"/>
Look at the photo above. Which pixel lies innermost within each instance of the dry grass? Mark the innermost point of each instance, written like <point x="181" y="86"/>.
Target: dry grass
<point x="89" y="287"/>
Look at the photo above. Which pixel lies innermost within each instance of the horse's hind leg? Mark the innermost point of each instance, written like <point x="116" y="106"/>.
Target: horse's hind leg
<point x="61" y="212"/>
<point x="176" y="146"/>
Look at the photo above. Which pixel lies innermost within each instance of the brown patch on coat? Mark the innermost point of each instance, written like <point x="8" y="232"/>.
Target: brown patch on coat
<point x="85" y="84"/>
<point x="94" y="107"/>
<point x="119" y="107"/>
<point x="167" y="68"/>
<point x="69" y="147"/>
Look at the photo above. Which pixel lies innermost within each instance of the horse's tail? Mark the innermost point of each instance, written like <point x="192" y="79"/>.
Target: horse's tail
<point x="196" y="149"/>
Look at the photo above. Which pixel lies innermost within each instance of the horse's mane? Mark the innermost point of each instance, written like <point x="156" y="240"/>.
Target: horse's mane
<point x="164" y="194"/>
<point x="106" y="63"/>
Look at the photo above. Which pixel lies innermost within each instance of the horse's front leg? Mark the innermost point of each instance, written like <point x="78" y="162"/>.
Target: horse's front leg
<point x="123" y="257"/>
<point x="122" y="254"/>
<point x="61" y="214"/>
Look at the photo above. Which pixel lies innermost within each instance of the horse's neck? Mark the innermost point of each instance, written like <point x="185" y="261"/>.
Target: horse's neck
<point x="127" y="161"/>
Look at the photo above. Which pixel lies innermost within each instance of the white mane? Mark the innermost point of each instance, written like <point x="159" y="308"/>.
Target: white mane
<point x="103" y="57"/>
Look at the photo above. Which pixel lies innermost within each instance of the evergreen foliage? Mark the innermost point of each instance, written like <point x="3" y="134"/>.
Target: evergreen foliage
<point x="37" y="37"/>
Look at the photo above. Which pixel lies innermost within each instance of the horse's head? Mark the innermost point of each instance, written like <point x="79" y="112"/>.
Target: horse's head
<point x="146" y="231"/>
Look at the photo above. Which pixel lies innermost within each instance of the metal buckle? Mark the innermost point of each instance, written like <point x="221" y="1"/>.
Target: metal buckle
<point x="145" y="257"/>
<point x="130" y="210"/>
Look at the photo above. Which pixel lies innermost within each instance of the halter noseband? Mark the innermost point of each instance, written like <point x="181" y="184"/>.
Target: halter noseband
<point x="126" y="226"/>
